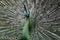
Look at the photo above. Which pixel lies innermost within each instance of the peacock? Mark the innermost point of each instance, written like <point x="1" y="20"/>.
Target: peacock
<point x="30" y="19"/>
<point x="27" y="27"/>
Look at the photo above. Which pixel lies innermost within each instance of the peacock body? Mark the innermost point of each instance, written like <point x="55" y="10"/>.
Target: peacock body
<point x="43" y="22"/>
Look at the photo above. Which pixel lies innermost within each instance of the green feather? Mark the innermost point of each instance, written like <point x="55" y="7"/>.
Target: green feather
<point x="27" y="29"/>
<point x="25" y="32"/>
<point x="31" y="24"/>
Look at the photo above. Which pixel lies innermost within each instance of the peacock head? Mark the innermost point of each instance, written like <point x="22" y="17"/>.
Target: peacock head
<point x="26" y="15"/>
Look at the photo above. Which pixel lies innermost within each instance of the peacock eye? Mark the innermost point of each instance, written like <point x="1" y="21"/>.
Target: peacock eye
<point x="29" y="6"/>
<point x="5" y="7"/>
<point x="37" y="5"/>
<point x="14" y="7"/>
